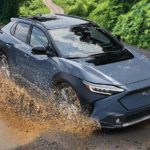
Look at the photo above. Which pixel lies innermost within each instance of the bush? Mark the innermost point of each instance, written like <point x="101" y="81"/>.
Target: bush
<point x="82" y="8"/>
<point x="33" y="7"/>
<point x="104" y="12"/>
<point x="77" y="7"/>
<point x="134" y="27"/>
<point x="108" y="11"/>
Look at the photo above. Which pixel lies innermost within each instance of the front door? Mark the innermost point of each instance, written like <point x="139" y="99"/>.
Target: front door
<point x="39" y="68"/>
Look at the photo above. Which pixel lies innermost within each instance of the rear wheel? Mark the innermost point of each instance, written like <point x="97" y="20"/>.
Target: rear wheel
<point x="68" y="98"/>
<point x="4" y="66"/>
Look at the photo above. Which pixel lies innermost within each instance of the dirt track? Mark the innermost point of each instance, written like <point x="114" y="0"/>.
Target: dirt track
<point x="53" y="7"/>
<point x="133" y="138"/>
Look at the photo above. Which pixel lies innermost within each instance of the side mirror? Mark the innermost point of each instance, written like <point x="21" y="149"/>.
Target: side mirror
<point x="40" y="50"/>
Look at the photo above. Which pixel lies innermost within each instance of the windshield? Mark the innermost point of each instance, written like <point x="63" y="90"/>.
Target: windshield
<point x="83" y="41"/>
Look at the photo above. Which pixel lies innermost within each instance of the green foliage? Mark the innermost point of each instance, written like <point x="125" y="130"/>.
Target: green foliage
<point x="82" y="8"/>
<point x="14" y="8"/>
<point x="107" y="12"/>
<point x="104" y="12"/>
<point x="77" y="7"/>
<point x="134" y="26"/>
<point x="65" y="3"/>
<point x="33" y="7"/>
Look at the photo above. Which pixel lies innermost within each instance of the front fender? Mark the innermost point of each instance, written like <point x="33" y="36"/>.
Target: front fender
<point x="84" y="94"/>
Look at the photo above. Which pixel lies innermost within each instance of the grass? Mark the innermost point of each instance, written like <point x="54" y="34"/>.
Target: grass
<point x="33" y="7"/>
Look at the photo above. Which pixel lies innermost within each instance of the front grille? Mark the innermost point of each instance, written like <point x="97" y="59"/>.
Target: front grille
<point x="136" y="99"/>
<point x="137" y="116"/>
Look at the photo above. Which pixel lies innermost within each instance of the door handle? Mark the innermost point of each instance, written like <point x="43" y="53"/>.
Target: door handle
<point x="27" y="56"/>
<point x="9" y="45"/>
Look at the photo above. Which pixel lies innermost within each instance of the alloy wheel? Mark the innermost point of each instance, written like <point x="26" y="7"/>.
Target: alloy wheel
<point x="69" y="98"/>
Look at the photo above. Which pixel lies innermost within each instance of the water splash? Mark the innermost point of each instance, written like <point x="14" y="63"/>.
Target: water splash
<point x="44" y="110"/>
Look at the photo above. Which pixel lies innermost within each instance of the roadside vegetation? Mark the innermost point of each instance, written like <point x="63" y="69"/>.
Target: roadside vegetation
<point x="14" y="8"/>
<point x="33" y="7"/>
<point x="128" y="18"/>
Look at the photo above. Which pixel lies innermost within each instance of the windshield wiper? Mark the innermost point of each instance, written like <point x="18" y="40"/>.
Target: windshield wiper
<point x="97" y="54"/>
<point x="106" y="53"/>
<point x="91" y="56"/>
<point x="76" y="57"/>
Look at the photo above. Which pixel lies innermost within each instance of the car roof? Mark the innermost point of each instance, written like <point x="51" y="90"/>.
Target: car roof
<point x="55" y="21"/>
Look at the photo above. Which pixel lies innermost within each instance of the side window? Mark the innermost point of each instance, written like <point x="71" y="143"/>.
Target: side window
<point x="38" y="38"/>
<point x="22" y="31"/>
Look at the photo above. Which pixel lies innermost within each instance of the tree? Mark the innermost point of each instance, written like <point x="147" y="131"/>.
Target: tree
<point x="9" y="8"/>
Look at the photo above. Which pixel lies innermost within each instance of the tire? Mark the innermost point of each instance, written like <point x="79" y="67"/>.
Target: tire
<point x="66" y="95"/>
<point x="4" y="66"/>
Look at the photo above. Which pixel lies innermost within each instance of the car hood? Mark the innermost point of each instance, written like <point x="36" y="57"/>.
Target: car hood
<point x="125" y="72"/>
<point x="118" y="73"/>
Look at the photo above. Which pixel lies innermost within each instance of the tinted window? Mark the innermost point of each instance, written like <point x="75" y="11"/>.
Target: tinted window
<point x="22" y="31"/>
<point x="38" y="38"/>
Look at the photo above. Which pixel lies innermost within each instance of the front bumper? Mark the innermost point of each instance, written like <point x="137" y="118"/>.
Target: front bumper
<point x="123" y="110"/>
<point x="126" y="120"/>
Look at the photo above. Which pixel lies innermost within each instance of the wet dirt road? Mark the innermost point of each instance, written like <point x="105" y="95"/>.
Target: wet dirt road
<point x="133" y="138"/>
<point x="16" y="131"/>
<point x="53" y="7"/>
<point x="13" y="136"/>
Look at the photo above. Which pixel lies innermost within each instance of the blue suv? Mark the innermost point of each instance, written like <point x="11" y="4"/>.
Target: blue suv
<point x="82" y="60"/>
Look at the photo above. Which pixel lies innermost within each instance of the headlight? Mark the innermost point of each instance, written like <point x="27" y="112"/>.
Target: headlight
<point x="103" y="89"/>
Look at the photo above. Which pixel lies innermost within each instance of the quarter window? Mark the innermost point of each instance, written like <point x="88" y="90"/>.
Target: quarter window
<point x="22" y="31"/>
<point x="38" y="38"/>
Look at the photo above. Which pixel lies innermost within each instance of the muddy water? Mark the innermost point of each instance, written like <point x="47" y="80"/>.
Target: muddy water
<point x="24" y="117"/>
<point x="14" y="134"/>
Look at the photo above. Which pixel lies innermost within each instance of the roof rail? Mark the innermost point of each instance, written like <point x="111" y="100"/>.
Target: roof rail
<point x="37" y="18"/>
<point x="77" y="17"/>
<point x="32" y="20"/>
<point x="13" y="19"/>
<point x="41" y="18"/>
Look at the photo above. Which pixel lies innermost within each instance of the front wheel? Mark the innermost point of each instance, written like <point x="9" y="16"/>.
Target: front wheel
<point x="68" y="99"/>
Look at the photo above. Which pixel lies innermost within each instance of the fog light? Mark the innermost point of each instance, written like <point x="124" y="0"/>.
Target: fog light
<point x="118" y="121"/>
